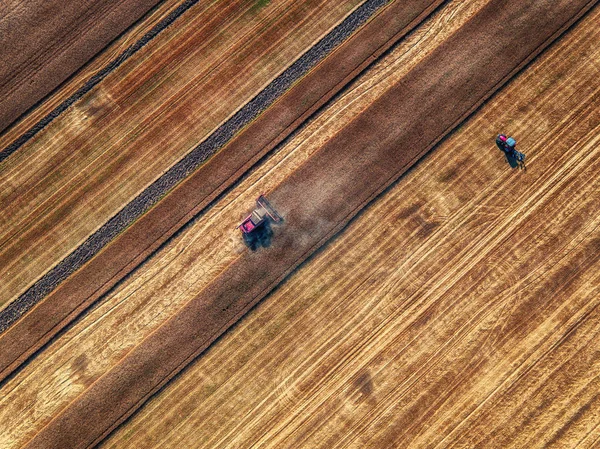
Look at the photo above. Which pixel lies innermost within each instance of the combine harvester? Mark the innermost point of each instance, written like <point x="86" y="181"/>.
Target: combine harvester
<point x="256" y="227"/>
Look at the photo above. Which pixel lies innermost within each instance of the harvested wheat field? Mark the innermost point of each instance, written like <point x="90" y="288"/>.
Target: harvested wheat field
<point x="420" y="292"/>
<point x="146" y="115"/>
<point x="108" y="265"/>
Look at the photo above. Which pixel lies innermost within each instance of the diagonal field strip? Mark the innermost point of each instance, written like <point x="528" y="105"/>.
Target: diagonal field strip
<point x="160" y="223"/>
<point x="138" y="123"/>
<point x="38" y="58"/>
<point x="321" y="196"/>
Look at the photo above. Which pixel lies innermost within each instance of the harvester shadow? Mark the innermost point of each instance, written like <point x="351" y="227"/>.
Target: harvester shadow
<point x="260" y="237"/>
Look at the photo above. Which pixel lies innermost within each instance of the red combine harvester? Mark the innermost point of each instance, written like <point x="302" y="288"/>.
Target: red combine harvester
<point x="256" y="227"/>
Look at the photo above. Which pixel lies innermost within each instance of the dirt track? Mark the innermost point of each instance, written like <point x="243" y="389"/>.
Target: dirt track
<point x="154" y="228"/>
<point x="153" y="355"/>
<point x="45" y="42"/>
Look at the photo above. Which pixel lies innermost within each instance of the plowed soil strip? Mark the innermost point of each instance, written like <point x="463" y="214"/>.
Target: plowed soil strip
<point x="322" y="196"/>
<point x="45" y="42"/>
<point x="155" y="227"/>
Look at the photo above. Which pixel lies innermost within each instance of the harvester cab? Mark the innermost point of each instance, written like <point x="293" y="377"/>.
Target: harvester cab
<point x="256" y="227"/>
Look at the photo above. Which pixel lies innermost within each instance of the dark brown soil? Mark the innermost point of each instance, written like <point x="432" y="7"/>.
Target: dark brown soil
<point x="323" y="195"/>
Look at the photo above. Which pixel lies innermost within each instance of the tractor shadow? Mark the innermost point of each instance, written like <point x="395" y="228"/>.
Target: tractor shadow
<point x="513" y="161"/>
<point x="260" y="237"/>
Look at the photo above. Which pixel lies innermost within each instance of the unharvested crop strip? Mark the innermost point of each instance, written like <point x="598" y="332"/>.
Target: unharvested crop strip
<point x="115" y="253"/>
<point x="322" y="196"/>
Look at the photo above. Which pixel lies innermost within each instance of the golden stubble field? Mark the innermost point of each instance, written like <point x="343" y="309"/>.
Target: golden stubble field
<point x="458" y="309"/>
<point x="140" y="120"/>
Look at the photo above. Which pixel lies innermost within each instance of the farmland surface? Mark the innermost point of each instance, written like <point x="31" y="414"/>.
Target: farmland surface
<point x="459" y="309"/>
<point x="44" y="42"/>
<point x="127" y="131"/>
<point x="139" y="239"/>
